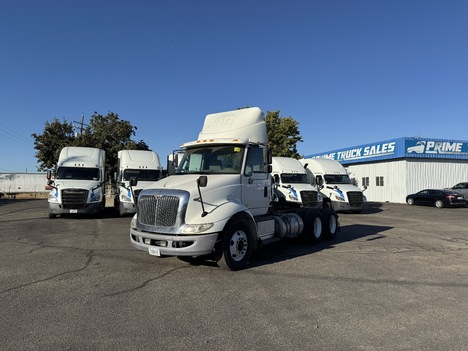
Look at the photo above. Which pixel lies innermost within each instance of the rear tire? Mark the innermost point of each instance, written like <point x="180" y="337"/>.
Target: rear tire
<point x="439" y="204"/>
<point x="313" y="227"/>
<point x="330" y="224"/>
<point x="237" y="246"/>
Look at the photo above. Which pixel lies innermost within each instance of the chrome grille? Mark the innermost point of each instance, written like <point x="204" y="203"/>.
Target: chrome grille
<point x="355" y="198"/>
<point x="309" y="198"/>
<point x="158" y="210"/>
<point x="74" y="198"/>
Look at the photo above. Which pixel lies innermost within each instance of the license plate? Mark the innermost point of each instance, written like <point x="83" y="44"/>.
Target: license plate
<point x="73" y="211"/>
<point x="154" y="251"/>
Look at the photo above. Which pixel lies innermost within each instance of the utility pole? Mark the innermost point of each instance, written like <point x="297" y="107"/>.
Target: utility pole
<point x="82" y="123"/>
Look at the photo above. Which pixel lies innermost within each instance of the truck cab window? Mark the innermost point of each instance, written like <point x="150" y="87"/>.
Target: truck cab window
<point x="212" y="160"/>
<point x="255" y="162"/>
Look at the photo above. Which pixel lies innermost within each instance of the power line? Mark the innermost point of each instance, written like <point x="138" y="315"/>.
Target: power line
<point x="12" y="135"/>
<point x="15" y="140"/>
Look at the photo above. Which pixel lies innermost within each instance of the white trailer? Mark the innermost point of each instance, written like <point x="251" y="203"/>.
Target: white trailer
<point x="144" y="165"/>
<point x="20" y="183"/>
<point x="218" y="204"/>
<point x="336" y="187"/>
<point x="78" y="186"/>
<point x="291" y="183"/>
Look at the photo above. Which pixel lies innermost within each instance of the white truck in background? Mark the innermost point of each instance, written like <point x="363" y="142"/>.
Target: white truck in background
<point x="78" y="186"/>
<point x="142" y="164"/>
<point x="217" y="206"/>
<point x="336" y="187"/>
<point x="291" y="183"/>
<point x="173" y="161"/>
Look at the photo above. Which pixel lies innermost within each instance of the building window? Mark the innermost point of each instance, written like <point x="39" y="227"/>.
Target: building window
<point x="365" y="181"/>
<point x="379" y="181"/>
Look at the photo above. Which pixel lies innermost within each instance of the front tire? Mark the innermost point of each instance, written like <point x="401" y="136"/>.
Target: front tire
<point x="410" y="201"/>
<point x="237" y="246"/>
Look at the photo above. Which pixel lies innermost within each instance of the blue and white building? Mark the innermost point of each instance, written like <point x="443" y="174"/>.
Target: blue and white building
<point x="395" y="168"/>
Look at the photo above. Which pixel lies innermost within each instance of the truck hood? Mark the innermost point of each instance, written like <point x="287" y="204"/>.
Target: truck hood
<point x="301" y="187"/>
<point x="342" y="187"/>
<point x="221" y="191"/>
<point x="76" y="184"/>
<point x="189" y="183"/>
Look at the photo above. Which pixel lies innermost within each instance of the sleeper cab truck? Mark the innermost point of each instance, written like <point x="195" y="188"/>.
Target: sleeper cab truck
<point x="78" y="185"/>
<point x="144" y="165"/>
<point x="336" y="187"/>
<point x="217" y="205"/>
<point x="291" y="184"/>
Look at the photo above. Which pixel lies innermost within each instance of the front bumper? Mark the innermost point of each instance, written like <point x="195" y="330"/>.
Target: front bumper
<point x="173" y="245"/>
<point x="345" y="206"/>
<point x="91" y="208"/>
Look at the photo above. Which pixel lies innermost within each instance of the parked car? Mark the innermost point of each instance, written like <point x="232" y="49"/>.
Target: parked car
<point x="461" y="188"/>
<point x="437" y="198"/>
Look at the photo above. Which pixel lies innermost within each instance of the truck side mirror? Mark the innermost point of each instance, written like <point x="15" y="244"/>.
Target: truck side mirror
<point x="49" y="174"/>
<point x="202" y="181"/>
<point x="276" y="178"/>
<point x="319" y="180"/>
<point x="133" y="181"/>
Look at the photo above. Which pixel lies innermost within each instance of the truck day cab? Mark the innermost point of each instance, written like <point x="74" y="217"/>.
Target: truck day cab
<point x="78" y="184"/>
<point x="291" y="183"/>
<point x="337" y="190"/>
<point x="141" y="164"/>
<point x="217" y="205"/>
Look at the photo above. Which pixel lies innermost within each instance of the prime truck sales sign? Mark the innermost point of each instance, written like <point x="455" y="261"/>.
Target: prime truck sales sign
<point x="399" y="148"/>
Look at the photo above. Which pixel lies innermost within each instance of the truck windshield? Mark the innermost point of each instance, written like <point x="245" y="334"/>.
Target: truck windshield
<point x="337" y="179"/>
<point x="78" y="173"/>
<point x="142" y="174"/>
<point x="294" y="178"/>
<point x="223" y="159"/>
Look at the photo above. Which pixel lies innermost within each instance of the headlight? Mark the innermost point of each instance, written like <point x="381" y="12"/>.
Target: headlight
<point x="339" y="198"/>
<point x="96" y="197"/>
<point x="319" y="198"/>
<point x="125" y="198"/>
<point x="196" y="228"/>
<point x="52" y="198"/>
<point x="133" y="221"/>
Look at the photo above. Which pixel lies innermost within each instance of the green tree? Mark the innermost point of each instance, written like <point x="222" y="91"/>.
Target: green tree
<point x="283" y="134"/>
<point x="109" y="133"/>
<point x="56" y="135"/>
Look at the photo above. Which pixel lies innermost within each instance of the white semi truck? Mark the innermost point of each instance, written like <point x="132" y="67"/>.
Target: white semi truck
<point x="218" y="204"/>
<point x="78" y="186"/>
<point x="291" y="183"/>
<point x="142" y="164"/>
<point x="336" y="187"/>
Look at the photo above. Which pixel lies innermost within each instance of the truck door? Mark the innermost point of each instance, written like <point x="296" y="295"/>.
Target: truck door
<point x="256" y="183"/>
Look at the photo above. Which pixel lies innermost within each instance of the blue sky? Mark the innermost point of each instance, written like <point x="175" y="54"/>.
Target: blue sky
<point x="349" y="71"/>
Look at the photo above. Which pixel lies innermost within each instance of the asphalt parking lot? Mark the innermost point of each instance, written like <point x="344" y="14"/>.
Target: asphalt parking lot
<point x="395" y="278"/>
